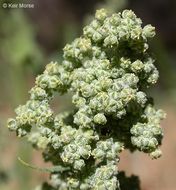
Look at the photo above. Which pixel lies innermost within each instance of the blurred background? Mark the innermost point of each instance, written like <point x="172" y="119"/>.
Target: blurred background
<point x="31" y="37"/>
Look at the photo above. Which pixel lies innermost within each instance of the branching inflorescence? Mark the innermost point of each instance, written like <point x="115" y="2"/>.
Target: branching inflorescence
<point x="107" y="70"/>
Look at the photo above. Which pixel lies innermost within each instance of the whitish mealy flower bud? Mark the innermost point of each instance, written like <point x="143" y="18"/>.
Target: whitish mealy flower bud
<point x="116" y="73"/>
<point x="55" y="141"/>
<point x="68" y="65"/>
<point x="141" y="98"/>
<point x="42" y="81"/>
<point x="84" y="44"/>
<point x="38" y="93"/>
<point x="97" y="36"/>
<point x="87" y="90"/>
<point x="111" y="40"/>
<point x="22" y="131"/>
<point x="73" y="183"/>
<point x="127" y="95"/>
<point x="156" y="154"/>
<point x="149" y="31"/>
<point x="115" y="19"/>
<point x="153" y="77"/>
<point x="84" y="186"/>
<point x="46" y="81"/>
<point x="104" y="64"/>
<point x="137" y="66"/>
<point x="125" y="63"/>
<point x="128" y="14"/>
<point x="79" y="164"/>
<point x="78" y="101"/>
<point x="45" y="131"/>
<point x="42" y="143"/>
<point x="53" y="82"/>
<point x="82" y="120"/>
<point x="52" y="68"/>
<point x="101" y="14"/>
<point x="12" y="124"/>
<point x="105" y="177"/>
<point x="100" y="119"/>
<point x="95" y="24"/>
<point x="136" y="33"/>
<point x="107" y="149"/>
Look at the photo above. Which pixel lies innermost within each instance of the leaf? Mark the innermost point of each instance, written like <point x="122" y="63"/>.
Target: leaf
<point x="50" y="170"/>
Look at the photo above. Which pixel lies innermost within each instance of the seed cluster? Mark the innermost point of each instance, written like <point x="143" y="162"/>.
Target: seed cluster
<point x="107" y="70"/>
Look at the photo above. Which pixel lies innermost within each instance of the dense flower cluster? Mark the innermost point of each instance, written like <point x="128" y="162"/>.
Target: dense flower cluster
<point x="107" y="70"/>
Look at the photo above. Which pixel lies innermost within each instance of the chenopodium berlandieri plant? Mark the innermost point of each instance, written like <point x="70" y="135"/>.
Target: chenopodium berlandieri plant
<point x="107" y="70"/>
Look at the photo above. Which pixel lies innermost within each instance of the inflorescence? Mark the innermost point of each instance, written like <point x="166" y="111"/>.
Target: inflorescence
<point x="107" y="70"/>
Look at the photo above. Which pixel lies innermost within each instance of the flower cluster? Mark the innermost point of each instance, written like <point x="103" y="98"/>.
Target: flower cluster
<point x="107" y="70"/>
